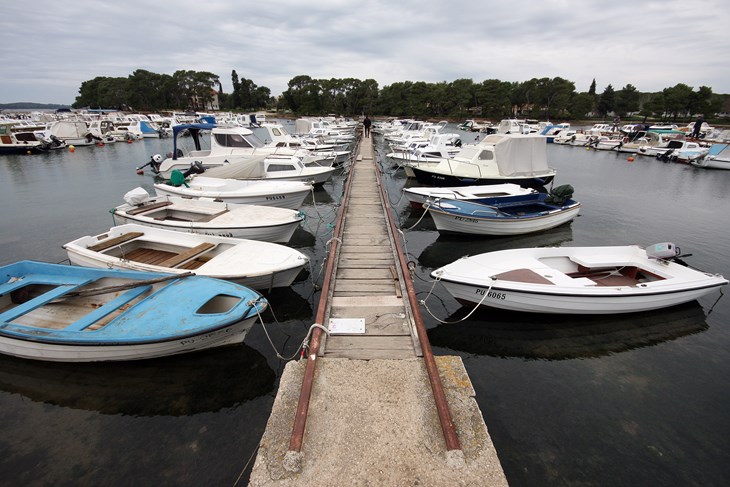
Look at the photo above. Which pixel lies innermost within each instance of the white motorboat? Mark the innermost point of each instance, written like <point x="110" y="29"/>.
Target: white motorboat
<point x="498" y="158"/>
<point x="273" y="169"/>
<point x="258" y="265"/>
<point x="283" y="194"/>
<point x="253" y="222"/>
<point x="228" y="145"/>
<point x="417" y="196"/>
<point x="577" y="280"/>
<point x="718" y="157"/>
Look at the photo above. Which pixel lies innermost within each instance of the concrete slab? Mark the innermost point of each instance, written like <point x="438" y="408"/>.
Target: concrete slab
<point x="374" y="423"/>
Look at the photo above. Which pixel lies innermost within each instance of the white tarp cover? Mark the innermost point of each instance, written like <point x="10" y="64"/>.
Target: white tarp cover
<point x="302" y="126"/>
<point x="64" y="129"/>
<point x="519" y="155"/>
<point x="252" y="168"/>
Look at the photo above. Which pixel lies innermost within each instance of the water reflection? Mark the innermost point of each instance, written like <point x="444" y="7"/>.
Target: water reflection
<point x="183" y="385"/>
<point x="448" y="248"/>
<point x="500" y="333"/>
<point x="286" y="304"/>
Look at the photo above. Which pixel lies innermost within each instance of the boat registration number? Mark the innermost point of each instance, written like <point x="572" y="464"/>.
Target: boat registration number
<point x="491" y="294"/>
<point x="468" y="220"/>
<point x="276" y="197"/>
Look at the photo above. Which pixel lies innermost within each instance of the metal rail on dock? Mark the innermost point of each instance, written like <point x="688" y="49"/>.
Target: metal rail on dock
<point x="300" y="419"/>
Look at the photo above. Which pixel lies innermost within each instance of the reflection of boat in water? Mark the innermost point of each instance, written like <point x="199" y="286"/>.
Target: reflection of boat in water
<point x="201" y="382"/>
<point x="286" y="304"/>
<point x="448" y="248"/>
<point x="502" y="333"/>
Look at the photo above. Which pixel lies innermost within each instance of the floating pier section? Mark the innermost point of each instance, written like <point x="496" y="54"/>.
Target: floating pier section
<point x="371" y="405"/>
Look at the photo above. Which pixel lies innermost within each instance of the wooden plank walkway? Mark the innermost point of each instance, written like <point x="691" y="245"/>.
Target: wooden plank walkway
<point x="368" y="282"/>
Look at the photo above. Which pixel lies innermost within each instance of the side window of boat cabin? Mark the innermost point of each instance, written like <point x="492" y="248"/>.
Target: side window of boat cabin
<point x="280" y="167"/>
<point x="231" y="140"/>
<point x="275" y="131"/>
<point x="486" y="155"/>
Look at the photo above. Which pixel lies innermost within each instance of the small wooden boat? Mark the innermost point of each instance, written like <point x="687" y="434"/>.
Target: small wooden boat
<point x="508" y="215"/>
<point x="75" y="314"/>
<point x="254" y="222"/>
<point x="283" y="194"/>
<point x="577" y="280"/>
<point x="258" y="265"/>
<point x="420" y="195"/>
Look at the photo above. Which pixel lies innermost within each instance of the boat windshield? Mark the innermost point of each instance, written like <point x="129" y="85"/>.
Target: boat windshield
<point x="238" y="140"/>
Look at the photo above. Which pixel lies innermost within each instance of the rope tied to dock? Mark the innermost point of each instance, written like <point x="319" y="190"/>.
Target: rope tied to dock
<point x="426" y="206"/>
<point x="438" y="279"/>
<point x="301" y="348"/>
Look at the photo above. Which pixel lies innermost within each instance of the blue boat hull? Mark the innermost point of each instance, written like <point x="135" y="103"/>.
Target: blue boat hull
<point x="77" y="314"/>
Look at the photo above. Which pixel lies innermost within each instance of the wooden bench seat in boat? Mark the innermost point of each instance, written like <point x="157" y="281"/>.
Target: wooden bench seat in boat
<point x="146" y="208"/>
<point x="186" y="255"/>
<point x="105" y="244"/>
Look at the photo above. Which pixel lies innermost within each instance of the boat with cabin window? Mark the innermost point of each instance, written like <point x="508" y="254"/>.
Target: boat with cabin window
<point x="498" y="158"/>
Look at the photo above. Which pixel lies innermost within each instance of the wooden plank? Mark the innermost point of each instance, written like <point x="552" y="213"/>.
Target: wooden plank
<point x="364" y="263"/>
<point x="371" y="354"/>
<point x="146" y="208"/>
<point x="188" y="254"/>
<point x="105" y="244"/>
<point x="368" y="342"/>
<point x="343" y="273"/>
<point x="365" y="286"/>
<point x="366" y="249"/>
<point x="368" y="301"/>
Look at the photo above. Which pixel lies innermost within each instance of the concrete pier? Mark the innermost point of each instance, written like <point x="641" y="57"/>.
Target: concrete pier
<point x="372" y="417"/>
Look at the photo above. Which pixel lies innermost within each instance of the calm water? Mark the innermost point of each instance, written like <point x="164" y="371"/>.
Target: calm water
<point x="630" y="400"/>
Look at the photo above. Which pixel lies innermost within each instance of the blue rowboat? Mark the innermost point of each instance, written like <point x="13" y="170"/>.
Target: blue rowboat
<point x="76" y="314"/>
<point x="510" y="215"/>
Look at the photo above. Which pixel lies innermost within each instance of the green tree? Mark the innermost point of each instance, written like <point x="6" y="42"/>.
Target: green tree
<point x="607" y="101"/>
<point x="627" y="100"/>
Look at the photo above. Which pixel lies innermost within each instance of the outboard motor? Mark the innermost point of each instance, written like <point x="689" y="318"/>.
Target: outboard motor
<point x="662" y="251"/>
<point x="195" y="168"/>
<point x="560" y="194"/>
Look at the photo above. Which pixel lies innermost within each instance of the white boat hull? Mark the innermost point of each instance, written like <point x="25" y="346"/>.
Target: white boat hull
<point x="231" y="335"/>
<point x="257" y="265"/>
<point x="448" y="223"/>
<point x="266" y="193"/>
<point x="574" y="280"/>
<point x="510" y="299"/>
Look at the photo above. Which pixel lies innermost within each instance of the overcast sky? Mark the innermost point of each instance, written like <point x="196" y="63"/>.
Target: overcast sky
<point x="50" y="47"/>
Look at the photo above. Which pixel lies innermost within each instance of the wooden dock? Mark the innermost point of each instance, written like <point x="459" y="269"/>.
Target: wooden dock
<point x="370" y="405"/>
<point x="368" y="282"/>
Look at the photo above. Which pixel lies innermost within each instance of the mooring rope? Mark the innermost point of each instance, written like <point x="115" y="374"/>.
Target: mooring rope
<point x="438" y="278"/>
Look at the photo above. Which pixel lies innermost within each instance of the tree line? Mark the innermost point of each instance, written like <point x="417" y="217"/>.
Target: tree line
<point x="540" y="98"/>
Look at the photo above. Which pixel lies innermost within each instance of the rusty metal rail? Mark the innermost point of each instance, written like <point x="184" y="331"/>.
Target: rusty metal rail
<point x="300" y="419"/>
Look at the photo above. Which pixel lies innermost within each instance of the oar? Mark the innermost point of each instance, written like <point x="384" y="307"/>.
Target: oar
<point x="122" y="287"/>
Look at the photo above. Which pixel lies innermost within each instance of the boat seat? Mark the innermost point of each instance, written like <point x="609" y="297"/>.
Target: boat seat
<point x="187" y="255"/>
<point x="105" y="244"/>
<point x="113" y="305"/>
<point x="146" y="208"/>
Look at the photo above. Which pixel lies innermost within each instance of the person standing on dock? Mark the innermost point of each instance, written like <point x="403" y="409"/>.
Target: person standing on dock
<point x="366" y="123"/>
<point x="698" y="127"/>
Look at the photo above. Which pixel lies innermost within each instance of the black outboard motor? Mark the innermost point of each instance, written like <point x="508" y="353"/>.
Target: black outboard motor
<point x="559" y="195"/>
<point x="195" y="168"/>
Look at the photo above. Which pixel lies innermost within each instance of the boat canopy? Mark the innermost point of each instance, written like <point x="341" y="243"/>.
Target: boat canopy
<point x="518" y="154"/>
<point x="194" y="129"/>
<point x="251" y="168"/>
